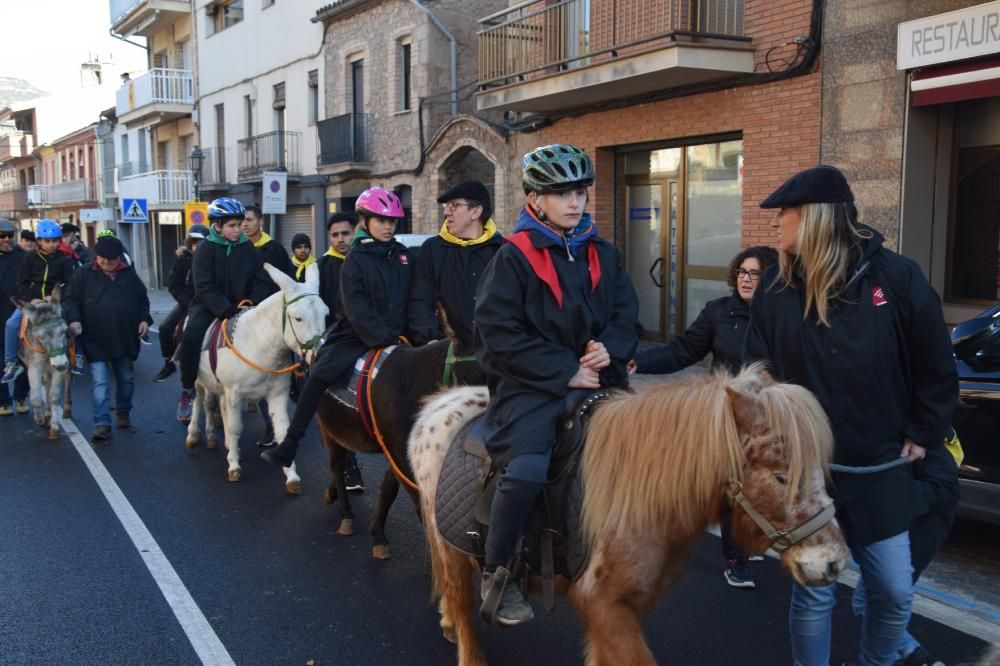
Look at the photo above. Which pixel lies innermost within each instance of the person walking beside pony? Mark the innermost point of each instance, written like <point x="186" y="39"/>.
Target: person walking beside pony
<point x="107" y="308"/>
<point x="227" y="270"/>
<point x="861" y="328"/>
<point x="555" y="311"/>
<point x="11" y="257"/>
<point x="720" y="328"/>
<point x="374" y="291"/>
<point x="180" y="284"/>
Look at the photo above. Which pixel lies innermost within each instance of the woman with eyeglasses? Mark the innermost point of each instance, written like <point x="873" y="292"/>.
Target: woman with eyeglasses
<point x="720" y="329"/>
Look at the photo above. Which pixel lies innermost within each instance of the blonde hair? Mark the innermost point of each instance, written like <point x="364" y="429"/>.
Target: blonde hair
<point x="823" y="256"/>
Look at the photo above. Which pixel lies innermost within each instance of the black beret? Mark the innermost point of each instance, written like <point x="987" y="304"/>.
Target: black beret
<point x="469" y="189"/>
<point x="68" y="228"/>
<point x="819" y="184"/>
<point x="301" y="239"/>
<point x="109" y="247"/>
<point x="28" y="234"/>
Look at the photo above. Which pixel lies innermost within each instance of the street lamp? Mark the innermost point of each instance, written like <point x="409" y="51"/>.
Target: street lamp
<point x="194" y="163"/>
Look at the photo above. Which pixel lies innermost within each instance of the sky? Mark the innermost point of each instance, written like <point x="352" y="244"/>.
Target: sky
<point x="45" y="41"/>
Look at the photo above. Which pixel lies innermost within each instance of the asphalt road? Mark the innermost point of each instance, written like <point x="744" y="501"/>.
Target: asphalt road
<point x="275" y="582"/>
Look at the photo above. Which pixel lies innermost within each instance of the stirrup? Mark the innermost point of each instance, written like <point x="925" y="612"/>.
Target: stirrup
<point x="491" y="602"/>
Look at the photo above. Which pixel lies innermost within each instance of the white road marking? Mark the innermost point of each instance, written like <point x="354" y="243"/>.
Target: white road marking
<point x="203" y="638"/>
<point x="956" y="618"/>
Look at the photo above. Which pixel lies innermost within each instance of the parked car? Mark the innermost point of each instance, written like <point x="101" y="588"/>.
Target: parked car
<point x="977" y="420"/>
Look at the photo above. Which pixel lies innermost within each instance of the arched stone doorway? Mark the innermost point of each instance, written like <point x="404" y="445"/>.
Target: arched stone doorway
<point x="467" y="163"/>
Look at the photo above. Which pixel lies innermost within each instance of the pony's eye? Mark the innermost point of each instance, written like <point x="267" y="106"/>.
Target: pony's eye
<point x="782" y="479"/>
<point x="298" y="319"/>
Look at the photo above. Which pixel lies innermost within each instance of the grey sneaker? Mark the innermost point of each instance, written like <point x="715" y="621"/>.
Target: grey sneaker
<point x="513" y="608"/>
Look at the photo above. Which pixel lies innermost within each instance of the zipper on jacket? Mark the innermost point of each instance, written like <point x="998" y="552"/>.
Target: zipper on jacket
<point x="569" y="255"/>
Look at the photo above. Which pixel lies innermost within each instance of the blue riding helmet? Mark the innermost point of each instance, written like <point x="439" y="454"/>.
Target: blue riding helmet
<point x="225" y="208"/>
<point x="48" y="229"/>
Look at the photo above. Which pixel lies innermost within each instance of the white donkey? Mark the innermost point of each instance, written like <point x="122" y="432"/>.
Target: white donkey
<point x="247" y="369"/>
<point x="44" y="351"/>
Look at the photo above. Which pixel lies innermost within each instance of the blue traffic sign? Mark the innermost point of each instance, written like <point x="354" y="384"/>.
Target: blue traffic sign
<point x="135" y="210"/>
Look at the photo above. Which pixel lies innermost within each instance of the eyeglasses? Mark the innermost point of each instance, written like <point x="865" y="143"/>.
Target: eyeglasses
<point x="452" y="205"/>
<point x="743" y="274"/>
<point x="6" y="235"/>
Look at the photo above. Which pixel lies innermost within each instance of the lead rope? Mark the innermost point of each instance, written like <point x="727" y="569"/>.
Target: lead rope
<point x="378" y="435"/>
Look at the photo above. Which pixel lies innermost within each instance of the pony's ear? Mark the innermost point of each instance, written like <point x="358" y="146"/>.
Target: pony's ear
<point x="284" y="282"/>
<point x="746" y="408"/>
<point x="312" y="277"/>
<point x="56" y="295"/>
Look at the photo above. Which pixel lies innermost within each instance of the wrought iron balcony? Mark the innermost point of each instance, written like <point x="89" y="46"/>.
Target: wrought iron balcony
<point x="539" y="39"/>
<point x="273" y="151"/>
<point x="345" y="140"/>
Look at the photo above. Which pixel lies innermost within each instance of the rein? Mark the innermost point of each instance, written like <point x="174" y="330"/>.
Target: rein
<point x="448" y="378"/>
<point x="400" y="475"/>
<point x="311" y="342"/>
<point x="305" y="346"/>
<point x="28" y="342"/>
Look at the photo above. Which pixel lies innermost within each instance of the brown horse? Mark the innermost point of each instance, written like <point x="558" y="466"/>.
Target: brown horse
<point x="406" y="378"/>
<point x="657" y="468"/>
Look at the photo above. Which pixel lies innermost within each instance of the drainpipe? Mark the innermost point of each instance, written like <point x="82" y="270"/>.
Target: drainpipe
<point x="453" y="50"/>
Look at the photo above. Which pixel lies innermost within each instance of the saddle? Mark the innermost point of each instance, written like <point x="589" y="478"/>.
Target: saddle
<point x="215" y="341"/>
<point x="552" y="542"/>
<point x="356" y="394"/>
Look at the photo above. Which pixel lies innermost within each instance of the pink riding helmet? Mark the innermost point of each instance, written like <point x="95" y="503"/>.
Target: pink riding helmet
<point x="381" y="202"/>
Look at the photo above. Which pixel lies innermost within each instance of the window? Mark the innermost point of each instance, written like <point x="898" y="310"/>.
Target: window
<point x="403" y="76"/>
<point x="220" y="125"/>
<point x="223" y="14"/>
<point x="247" y="117"/>
<point x="124" y="158"/>
<point x="313" y="96"/>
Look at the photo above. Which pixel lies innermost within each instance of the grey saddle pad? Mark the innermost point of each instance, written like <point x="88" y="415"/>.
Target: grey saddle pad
<point x="458" y="489"/>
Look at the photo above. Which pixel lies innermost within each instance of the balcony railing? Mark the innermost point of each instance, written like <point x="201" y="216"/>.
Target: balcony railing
<point x="73" y="191"/>
<point x="157" y="86"/>
<point x="213" y="168"/>
<point x="159" y="188"/>
<point x="541" y="37"/>
<point x="272" y="151"/>
<point x="345" y="139"/>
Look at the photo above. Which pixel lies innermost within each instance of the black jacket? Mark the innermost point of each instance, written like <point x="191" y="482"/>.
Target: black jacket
<point x="447" y="273"/>
<point x="720" y="328"/>
<point x="39" y="273"/>
<point x="221" y="281"/>
<point x="530" y="348"/>
<point x="937" y="477"/>
<point x="883" y="370"/>
<point x="109" y="310"/>
<point x="329" y="283"/>
<point x="180" y="282"/>
<point x="274" y="254"/>
<point x="10" y="263"/>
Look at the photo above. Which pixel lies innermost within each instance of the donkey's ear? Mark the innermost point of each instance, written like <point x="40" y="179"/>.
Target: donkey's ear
<point x="284" y="282"/>
<point x="56" y="295"/>
<point x="312" y="277"/>
<point x="746" y="408"/>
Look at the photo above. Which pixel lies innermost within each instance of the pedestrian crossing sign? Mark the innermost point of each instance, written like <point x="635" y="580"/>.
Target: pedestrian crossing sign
<point x="135" y="210"/>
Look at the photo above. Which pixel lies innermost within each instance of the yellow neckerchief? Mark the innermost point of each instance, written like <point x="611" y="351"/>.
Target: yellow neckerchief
<point x="489" y="230"/>
<point x="333" y="253"/>
<point x="302" y="265"/>
<point x="263" y="240"/>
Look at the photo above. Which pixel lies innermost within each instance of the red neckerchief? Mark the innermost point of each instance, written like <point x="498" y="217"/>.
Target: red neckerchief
<point x="67" y="250"/>
<point x="541" y="262"/>
<point x="112" y="273"/>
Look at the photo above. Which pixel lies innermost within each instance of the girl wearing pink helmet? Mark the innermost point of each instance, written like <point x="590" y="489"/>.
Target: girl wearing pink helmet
<point x="371" y="306"/>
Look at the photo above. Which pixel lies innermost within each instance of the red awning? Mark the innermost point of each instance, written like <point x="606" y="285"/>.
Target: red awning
<point x="954" y="83"/>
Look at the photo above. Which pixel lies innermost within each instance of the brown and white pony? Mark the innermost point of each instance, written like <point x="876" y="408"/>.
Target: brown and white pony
<point x="656" y="470"/>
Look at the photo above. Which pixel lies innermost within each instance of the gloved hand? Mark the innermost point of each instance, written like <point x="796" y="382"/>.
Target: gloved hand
<point x="75" y="328"/>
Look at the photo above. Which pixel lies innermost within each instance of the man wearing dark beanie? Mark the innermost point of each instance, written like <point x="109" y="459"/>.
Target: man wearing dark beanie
<point x="107" y="308"/>
<point x="301" y="256"/>
<point x="451" y="263"/>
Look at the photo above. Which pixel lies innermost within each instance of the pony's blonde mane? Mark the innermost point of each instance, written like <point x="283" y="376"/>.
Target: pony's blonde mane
<point x="660" y="459"/>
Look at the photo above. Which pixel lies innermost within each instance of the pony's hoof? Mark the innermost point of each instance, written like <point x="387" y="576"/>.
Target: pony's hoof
<point x="191" y="442"/>
<point x="212" y="444"/>
<point x="67" y="413"/>
<point x="293" y="487"/>
<point x="380" y="551"/>
<point x="234" y="475"/>
<point x="53" y="433"/>
<point x="450" y="634"/>
<point x="330" y="496"/>
<point x="346" y="527"/>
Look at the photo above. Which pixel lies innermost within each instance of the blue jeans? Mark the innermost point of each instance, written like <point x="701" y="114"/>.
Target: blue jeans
<point x="887" y="602"/>
<point x="859" y="603"/>
<point x="10" y="331"/>
<point x="100" y="374"/>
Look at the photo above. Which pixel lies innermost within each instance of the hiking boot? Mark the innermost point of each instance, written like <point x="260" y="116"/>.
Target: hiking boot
<point x="267" y="439"/>
<point x="185" y="405"/>
<point x="21" y="406"/>
<point x="513" y="608"/>
<point x="102" y="433"/>
<point x="122" y="420"/>
<point x="919" y="657"/>
<point x="283" y="454"/>
<point x="78" y="363"/>
<point x="738" y="574"/>
<point x="11" y="372"/>
<point x="352" y="477"/>
<point x="168" y="369"/>
<point x="755" y="558"/>
<point x="6" y="410"/>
